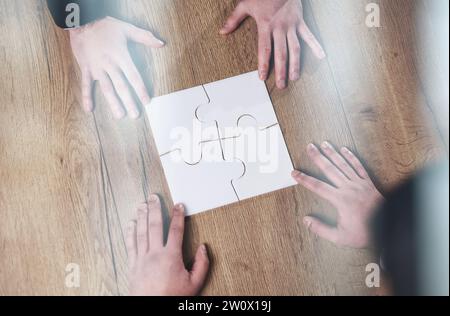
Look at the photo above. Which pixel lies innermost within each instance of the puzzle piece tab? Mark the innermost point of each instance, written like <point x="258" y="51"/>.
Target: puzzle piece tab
<point x="268" y="166"/>
<point x="235" y="97"/>
<point x="206" y="185"/>
<point x="175" y="126"/>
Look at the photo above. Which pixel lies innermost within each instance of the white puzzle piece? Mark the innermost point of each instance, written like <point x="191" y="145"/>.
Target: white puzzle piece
<point x="175" y="126"/>
<point x="206" y="185"/>
<point x="234" y="97"/>
<point x="268" y="166"/>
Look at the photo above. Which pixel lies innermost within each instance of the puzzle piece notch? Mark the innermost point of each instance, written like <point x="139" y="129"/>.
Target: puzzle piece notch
<point x="232" y="98"/>
<point x="205" y="185"/>
<point x="268" y="165"/>
<point x="175" y="126"/>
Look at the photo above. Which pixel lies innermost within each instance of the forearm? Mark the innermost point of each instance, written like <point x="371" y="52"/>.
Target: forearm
<point x="75" y="13"/>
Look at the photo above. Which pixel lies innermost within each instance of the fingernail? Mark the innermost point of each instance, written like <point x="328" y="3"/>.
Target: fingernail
<point x="322" y="55"/>
<point x="146" y="100"/>
<point x="134" y="114"/>
<point x="161" y="42"/>
<point x="179" y="208"/>
<point x="312" y="147"/>
<point x="346" y="150"/>
<point x="263" y="75"/>
<point x="143" y="208"/>
<point x="326" y="145"/>
<point x="223" y="30"/>
<point x="153" y="198"/>
<point x="307" y="222"/>
<point x="203" y="250"/>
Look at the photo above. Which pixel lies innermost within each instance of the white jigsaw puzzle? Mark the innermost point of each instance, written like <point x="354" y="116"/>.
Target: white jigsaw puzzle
<point x="220" y="143"/>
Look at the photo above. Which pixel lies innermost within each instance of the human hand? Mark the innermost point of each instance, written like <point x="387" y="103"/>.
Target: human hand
<point x="353" y="194"/>
<point x="158" y="270"/>
<point x="283" y="21"/>
<point x="101" y="51"/>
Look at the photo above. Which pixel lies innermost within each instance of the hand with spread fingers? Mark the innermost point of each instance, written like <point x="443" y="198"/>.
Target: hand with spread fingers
<point x="351" y="191"/>
<point x="157" y="269"/>
<point x="101" y="51"/>
<point x="279" y="22"/>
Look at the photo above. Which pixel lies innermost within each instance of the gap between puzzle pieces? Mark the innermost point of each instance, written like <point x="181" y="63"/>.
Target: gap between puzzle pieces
<point x="222" y="158"/>
<point x="183" y="120"/>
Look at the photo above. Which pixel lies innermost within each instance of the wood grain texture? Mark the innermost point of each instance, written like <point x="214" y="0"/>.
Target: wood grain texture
<point x="69" y="182"/>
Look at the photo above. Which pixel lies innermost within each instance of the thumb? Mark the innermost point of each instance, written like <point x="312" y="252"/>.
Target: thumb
<point x="239" y="14"/>
<point x="319" y="228"/>
<point x="200" y="268"/>
<point x="143" y="37"/>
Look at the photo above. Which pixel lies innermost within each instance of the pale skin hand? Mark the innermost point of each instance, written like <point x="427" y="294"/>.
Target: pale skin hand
<point x="157" y="269"/>
<point x="280" y="22"/>
<point x="101" y="51"/>
<point x="352" y="193"/>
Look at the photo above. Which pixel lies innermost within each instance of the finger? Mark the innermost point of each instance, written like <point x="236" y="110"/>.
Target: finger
<point x="338" y="160"/>
<point x="131" y="244"/>
<point x="142" y="36"/>
<point x="111" y="97"/>
<point x="280" y="44"/>
<point x="322" y="189"/>
<point x="176" y="230"/>
<point x="355" y="162"/>
<point x="321" y="229"/>
<point x="294" y="55"/>
<point x="306" y="34"/>
<point x="200" y="268"/>
<point x="86" y="91"/>
<point x="134" y="77"/>
<point x="234" y="20"/>
<point x="330" y="170"/>
<point x="123" y="90"/>
<point x="264" y="51"/>
<point x="155" y="223"/>
<point x="142" y="229"/>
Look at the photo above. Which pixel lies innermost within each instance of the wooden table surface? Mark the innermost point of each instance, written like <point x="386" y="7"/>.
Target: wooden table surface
<point x="70" y="181"/>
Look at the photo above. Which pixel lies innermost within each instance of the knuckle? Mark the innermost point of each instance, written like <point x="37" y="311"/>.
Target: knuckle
<point x="314" y="184"/>
<point x="296" y="49"/>
<point x="154" y="225"/>
<point x="141" y="236"/>
<point x="264" y="67"/>
<point x="280" y="25"/>
<point x="176" y="229"/>
<point x="266" y="21"/>
<point x="266" y="50"/>
<point x="362" y="171"/>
